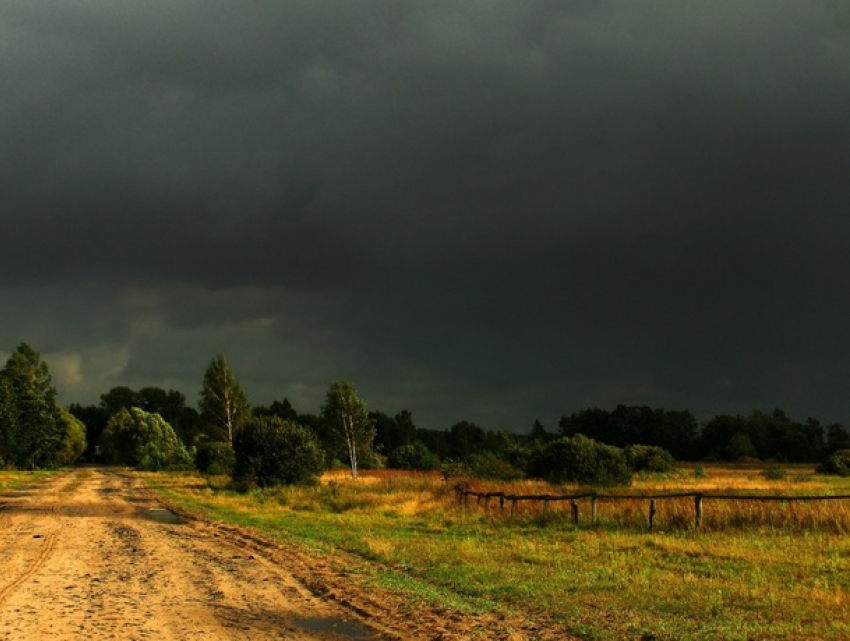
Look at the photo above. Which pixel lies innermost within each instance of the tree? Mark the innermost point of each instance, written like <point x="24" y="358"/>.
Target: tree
<point x="224" y="406"/>
<point x="143" y="440"/>
<point x="270" y="451"/>
<point x="34" y="436"/>
<point x="74" y="443"/>
<point x="346" y="416"/>
<point x="538" y="432"/>
<point x="283" y="410"/>
<point x="8" y="422"/>
<point x="118" y="398"/>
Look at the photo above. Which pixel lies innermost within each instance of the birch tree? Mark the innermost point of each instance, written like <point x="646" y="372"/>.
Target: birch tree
<point x="346" y="416"/>
<point x="224" y="406"/>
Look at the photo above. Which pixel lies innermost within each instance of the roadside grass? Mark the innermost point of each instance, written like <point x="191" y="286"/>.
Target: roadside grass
<point x="752" y="572"/>
<point x="13" y="479"/>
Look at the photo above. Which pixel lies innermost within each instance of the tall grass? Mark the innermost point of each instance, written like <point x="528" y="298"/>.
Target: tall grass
<point x="753" y="572"/>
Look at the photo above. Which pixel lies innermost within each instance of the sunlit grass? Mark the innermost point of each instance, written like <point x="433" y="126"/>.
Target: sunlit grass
<point x="11" y="479"/>
<point x="754" y="571"/>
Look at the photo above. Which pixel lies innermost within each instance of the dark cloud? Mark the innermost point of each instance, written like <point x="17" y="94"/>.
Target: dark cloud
<point x="491" y="211"/>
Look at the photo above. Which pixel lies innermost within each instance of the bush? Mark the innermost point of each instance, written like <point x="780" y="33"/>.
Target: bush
<point x="649" y="458"/>
<point x="837" y="464"/>
<point x="582" y="460"/>
<point x="775" y="473"/>
<point x="215" y="458"/>
<point x="413" y="457"/>
<point x="487" y="465"/>
<point x="270" y="451"/>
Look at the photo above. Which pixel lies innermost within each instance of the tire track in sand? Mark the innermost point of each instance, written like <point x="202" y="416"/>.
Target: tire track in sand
<point x="38" y="563"/>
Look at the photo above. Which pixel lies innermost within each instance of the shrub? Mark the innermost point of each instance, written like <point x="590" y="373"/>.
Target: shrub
<point x="649" y="458"/>
<point x="775" y="473"/>
<point x="582" y="460"/>
<point x="215" y="458"/>
<point x="454" y="470"/>
<point x="416" y="456"/>
<point x="487" y="465"/>
<point x="270" y="451"/>
<point x="837" y="464"/>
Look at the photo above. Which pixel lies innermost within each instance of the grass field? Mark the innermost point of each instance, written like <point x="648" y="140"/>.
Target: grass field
<point x="780" y="571"/>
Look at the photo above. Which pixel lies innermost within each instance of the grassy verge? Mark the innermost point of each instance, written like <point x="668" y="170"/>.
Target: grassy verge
<point x="750" y="581"/>
<point x="10" y="480"/>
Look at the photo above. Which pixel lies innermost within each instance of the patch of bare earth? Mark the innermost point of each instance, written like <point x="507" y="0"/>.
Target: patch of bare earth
<point x="91" y="554"/>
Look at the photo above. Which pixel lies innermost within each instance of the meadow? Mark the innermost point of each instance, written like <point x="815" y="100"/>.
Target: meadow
<point x="778" y="570"/>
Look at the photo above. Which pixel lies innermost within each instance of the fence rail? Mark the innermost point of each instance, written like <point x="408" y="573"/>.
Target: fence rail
<point x="484" y="498"/>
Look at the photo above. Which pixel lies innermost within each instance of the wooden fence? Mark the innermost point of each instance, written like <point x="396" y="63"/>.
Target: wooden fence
<point x="484" y="499"/>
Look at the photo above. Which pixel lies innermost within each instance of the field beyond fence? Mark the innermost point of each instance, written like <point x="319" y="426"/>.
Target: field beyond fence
<point x="821" y="511"/>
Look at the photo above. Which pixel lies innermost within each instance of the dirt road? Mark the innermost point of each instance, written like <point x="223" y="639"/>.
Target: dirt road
<point x="90" y="555"/>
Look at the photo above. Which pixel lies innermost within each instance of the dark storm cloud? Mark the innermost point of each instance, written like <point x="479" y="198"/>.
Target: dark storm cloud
<point x="486" y="210"/>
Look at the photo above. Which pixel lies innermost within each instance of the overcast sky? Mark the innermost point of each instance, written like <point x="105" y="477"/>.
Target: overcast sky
<point x="491" y="211"/>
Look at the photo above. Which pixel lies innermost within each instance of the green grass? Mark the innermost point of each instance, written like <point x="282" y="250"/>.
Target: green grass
<point x="616" y="581"/>
<point x="11" y="479"/>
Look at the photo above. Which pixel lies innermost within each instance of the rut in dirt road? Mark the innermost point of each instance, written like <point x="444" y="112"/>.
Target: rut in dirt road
<point x="89" y="554"/>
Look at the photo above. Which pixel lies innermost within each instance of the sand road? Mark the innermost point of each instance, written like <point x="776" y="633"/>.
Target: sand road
<point x="89" y="554"/>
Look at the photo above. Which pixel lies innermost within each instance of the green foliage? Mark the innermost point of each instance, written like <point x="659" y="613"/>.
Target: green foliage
<point x="415" y="456"/>
<point x="346" y="416"/>
<point x="838" y="464"/>
<point x="142" y="440"/>
<point x="627" y="425"/>
<point x="171" y="405"/>
<point x="74" y="443"/>
<point x="392" y="432"/>
<point x="488" y="465"/>
<point x="775" y="473"/>
<point x="582" y="460"/>
<point x="649" y="458"/>
<point x="224" y="406"/>
<point x="32" y="432"/>
<point x="270" y="451"/>
<point x="215" y="458"/>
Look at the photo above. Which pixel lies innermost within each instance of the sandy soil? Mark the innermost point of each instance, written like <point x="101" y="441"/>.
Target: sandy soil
<point x="91" y="554"/>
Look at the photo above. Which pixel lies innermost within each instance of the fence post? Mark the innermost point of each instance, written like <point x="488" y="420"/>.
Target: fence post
<point x="545" y="505"/>
<point x="501" y="501"/>
<point x="574" y="507"/>
<point x="651" y="512"/>
<point x="513" y="507"/>
<point x="594" y="509"/>
<point x="698" y="509"/>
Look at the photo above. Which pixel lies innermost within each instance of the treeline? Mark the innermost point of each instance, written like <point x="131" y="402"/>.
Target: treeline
<point x="397" y="442"/>
<point x="766" y="436"/>
<point x="156" y="428"/>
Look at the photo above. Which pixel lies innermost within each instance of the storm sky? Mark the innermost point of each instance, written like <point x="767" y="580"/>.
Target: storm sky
<point x="487" y="211"/>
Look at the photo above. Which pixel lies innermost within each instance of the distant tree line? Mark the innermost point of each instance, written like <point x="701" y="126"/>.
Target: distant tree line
<point x="154" y="428"/>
